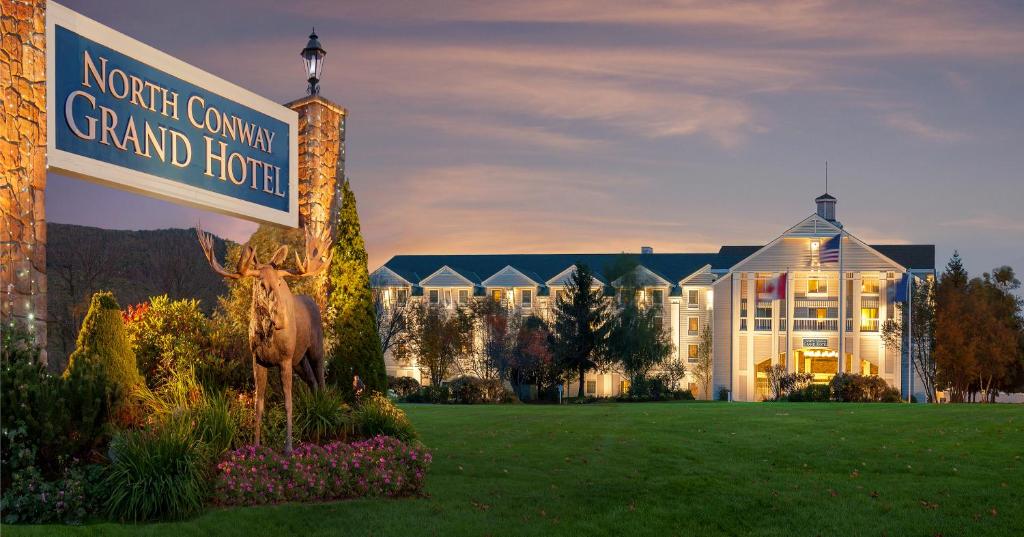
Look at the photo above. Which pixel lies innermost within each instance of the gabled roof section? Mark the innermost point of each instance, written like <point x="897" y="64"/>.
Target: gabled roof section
<point x="510" y="277"/>
<point x="385" y="277"/>
<point x="562" y="278"/>
<point x="446" y="277"/>
<point x="702" y="276"/>
<point x="812" y="226"/>
<point x="645" y="277"/>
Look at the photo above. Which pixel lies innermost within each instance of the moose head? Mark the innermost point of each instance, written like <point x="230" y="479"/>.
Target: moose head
<point x="285" y="330"/>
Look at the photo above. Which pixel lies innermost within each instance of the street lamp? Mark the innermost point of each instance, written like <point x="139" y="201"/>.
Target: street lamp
<point x="313" y="56"/>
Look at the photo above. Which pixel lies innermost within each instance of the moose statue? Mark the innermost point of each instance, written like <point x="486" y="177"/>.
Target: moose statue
<point x="285" y="330"/>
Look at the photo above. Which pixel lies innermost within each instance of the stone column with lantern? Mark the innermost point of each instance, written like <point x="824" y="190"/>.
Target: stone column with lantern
<point x="23" y="161"/>
<point x="321" y="150"/>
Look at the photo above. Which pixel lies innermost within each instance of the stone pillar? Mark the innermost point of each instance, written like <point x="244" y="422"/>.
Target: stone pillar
<point x="23" y="166"/>
<point x="321" y="159"/>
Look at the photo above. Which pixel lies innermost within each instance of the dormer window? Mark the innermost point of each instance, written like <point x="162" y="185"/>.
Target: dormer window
<point x="693" y="298"/>
<point x="402" y="296"/>
<point x="463" y="296"/>
<point x="434" y="297"/>
<point x="526" y="298"/>
<point x="658" y="297"/>
<point x="497" y="294"/>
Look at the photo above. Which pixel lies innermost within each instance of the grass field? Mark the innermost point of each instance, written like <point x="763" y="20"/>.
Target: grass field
<point x="678" y="469"/>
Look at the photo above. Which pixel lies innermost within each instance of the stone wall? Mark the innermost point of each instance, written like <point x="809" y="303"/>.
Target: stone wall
<point x="23" y="165"/>
<point x="321" y="159"/>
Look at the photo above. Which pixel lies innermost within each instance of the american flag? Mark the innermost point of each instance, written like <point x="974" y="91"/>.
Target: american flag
<point x="829" y="252"/>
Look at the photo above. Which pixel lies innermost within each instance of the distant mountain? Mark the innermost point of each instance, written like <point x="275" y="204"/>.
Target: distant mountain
<point x="135" y="265"/>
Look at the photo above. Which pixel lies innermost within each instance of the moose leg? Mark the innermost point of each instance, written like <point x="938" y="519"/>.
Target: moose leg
<point x="307" y="373"/>
<point x="316" y="359"/>
<point x="286" y="384"/>
<point x="260" y="374"/>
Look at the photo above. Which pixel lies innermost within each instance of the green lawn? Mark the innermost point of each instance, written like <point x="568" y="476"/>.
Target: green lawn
<point x="678" y="469"/>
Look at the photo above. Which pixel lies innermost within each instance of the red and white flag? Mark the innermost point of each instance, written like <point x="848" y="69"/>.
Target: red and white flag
<point x="774" y="288"/>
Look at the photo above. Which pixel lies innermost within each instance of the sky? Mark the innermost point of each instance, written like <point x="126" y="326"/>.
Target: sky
<point x="603" y="126"/>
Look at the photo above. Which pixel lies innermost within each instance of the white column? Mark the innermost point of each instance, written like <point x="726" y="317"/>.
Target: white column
<point x="676" y="332"/>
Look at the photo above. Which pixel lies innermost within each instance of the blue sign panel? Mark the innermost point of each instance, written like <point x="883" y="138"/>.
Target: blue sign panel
<point x="125" y="114"/>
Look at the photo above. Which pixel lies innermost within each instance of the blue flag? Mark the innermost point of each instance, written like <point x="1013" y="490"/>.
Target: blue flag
<point x="903" y="288"/>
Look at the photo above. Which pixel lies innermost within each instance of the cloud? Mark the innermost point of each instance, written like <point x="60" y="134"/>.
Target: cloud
<point x="910" y="124"/>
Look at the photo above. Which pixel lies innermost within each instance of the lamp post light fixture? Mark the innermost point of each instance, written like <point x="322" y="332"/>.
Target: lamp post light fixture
<point x="313" y="56"/>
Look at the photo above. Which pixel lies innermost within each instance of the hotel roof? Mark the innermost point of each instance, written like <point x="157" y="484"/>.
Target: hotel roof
<point x="673" y="267"/>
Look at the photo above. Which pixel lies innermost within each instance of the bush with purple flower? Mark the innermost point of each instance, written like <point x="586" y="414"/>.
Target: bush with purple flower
<point x="380" y="466"/>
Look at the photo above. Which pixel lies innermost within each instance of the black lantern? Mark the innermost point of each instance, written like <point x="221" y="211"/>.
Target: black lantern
<point x="313" y="56"/>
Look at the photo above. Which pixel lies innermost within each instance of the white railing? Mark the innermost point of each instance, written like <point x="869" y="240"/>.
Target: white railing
<point x="816" y="325"/>
<point x="762" y="324"/>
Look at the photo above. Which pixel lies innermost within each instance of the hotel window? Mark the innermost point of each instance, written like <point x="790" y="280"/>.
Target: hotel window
<point x="820" y="313"/>
<point x="693" y="326"/>
<point x="526" y="298"/>
<point x="693" y="298"/>
<point x="869" y="319"/>
<point x="691" y="353"/>
<point x="561" y="295"/>
<point x="463" y="296"/>
<point x="447" y="297"/>
<point x="434" y="296"/>
<point x="817" y="286"/>
<point x="497" y="294"/>
<point x="869" y="285"/>
<point x="591" y="387"/>
<point x="658" y="297"/>
<point x="402" y="296"/>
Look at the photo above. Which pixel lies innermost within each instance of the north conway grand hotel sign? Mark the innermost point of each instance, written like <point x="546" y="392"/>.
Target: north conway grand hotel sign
<point x="128" y="115"/>
<point x="83" y="100"/>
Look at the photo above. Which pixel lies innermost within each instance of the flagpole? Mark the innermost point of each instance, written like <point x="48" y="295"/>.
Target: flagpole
<point x="842" y="308"/>
<point x="789" y="321"/>
<point x="910" y="337"/>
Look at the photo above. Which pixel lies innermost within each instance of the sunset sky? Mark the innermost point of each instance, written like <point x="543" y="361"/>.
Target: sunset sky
<point x="601" y="126"/>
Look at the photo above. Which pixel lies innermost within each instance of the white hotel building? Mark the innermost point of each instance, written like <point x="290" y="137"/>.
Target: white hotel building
<point x="801" y="331"/>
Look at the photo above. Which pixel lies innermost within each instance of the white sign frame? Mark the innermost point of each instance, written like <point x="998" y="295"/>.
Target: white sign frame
<point x="105" y="173"/>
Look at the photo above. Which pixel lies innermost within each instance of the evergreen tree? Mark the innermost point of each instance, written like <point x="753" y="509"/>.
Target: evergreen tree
<point x="103" y="340"/>
<point x="581" y="325"/>
<point x="350" y="316"/>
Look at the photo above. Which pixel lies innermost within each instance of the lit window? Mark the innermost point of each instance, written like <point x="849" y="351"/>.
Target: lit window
<point x="527" y="298"/>
<point x="402" y="296"/>
<point x="561" y="295"/>
<point x="591" y="386"/>
<point x="463" y="296"/>
<point x="869" y="319"/>
<point x="817" y="286"/>
<point x="434" y="296"/>
<point x="691" y="352"/>
<point x="693" y="298"/>
<point x="694" y="325"/>
<point x="869" y="285"/>
<point x="658" y="296"/>
<point x="820" y="313"/>
<point x="497" y="294"/>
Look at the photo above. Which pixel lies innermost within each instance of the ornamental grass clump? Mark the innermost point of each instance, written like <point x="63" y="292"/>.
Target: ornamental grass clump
<point x="377" y="415"/>
<point x="380" y="466"/>
<point x="158" y="473"/>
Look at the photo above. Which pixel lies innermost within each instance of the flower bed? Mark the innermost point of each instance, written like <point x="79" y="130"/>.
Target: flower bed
<point x="380" y="466"/>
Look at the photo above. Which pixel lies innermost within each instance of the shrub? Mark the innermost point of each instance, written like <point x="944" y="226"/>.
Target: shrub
<point x="71" y="499"/>
<point x="431" y="394"/>
<point x="320" y="415"/>
<point x="156" y="473"/>
<point x="816" y="393"/>
<point x="103" y="340"/>
<point x="656" y="388"/>
<point x="863" y="389"/>
<point x="167" y="335"/>
<point x="380" y="466"/>
<point x="473" y="390"/>
<point x="377" y="415"/>
<point x="48" y="420"/>
<point x="403" y="386"/>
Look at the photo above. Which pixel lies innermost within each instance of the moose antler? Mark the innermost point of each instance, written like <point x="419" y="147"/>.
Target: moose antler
<point x="318" y="254"/>
<point x="245" y="260"/>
